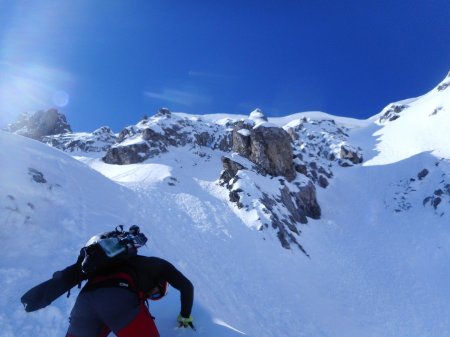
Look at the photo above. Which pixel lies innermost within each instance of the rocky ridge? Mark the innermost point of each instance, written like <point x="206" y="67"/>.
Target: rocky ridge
<point x="99" y="141"/>
<point x="268" y="170"/>
<point x="153" y="136"/>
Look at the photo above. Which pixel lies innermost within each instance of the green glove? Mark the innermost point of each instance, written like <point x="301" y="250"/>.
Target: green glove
<point x="185" y="322"/>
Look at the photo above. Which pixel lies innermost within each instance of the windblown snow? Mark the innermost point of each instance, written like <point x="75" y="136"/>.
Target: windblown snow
<point x="378" y="257"/>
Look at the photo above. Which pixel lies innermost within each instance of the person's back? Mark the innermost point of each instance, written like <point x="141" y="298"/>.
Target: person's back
<point x="114" y="301"/>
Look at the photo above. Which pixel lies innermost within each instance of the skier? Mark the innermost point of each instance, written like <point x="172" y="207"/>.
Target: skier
<point x="116" y="301"/>
<point x="119" y="283"/>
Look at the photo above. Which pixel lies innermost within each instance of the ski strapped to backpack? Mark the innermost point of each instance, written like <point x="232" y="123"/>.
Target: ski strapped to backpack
<point x="102" y="252"/>
<point x="105" y="251"/>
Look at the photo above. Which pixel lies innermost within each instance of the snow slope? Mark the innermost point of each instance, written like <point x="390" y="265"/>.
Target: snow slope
<point x="189" y="223"/>
<point x="422" y="125"/>
<point x="379" y="255"/>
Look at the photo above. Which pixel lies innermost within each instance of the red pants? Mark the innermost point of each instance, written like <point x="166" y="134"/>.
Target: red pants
<point x="142" y="326"/>
<point x="97" y="313"/>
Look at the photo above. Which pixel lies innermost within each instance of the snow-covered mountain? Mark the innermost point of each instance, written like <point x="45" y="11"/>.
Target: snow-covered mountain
<point x="303" y="225"/>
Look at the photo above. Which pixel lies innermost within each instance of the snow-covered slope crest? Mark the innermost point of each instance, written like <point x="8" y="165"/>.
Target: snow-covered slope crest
<point x="50" y="204"/>
<point x="414" y="126"/>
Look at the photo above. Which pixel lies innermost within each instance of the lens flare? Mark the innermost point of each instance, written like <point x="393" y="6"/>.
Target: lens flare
<point x="60" y="98"/>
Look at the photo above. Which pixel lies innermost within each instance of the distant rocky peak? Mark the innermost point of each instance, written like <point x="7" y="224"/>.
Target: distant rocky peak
<point x="258" y="115"/>
<point x="103" y="130"/>
<point x="40" y="124"/>
<point x="163" y="112"/>
<point x="105" y="134"/>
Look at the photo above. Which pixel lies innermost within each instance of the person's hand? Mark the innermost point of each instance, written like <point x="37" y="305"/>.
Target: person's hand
<point x="185" y="322"/>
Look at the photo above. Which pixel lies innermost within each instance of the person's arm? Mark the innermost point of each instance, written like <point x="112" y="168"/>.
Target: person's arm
<point x="177" y="280"/>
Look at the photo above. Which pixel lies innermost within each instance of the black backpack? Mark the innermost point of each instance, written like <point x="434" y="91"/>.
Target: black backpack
<point x="102" y="253"/>
<point x="105" y="251"/>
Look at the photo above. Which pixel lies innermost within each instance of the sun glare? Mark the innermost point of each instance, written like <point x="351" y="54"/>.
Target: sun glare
<point x="29" y="79"/>
<point x="30" y="88"/>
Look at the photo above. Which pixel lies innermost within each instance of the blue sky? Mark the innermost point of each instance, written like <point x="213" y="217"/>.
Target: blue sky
<point x="111" y="62"/>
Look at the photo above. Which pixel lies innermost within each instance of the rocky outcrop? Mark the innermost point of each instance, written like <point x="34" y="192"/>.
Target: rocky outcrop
<point x="349" y="153"/>
<point x="300" y="203"/>
<point x="153" y="136"/>
<point x="265" y="144"/>
<point x="422" y="174"/>
<point x="230" y="170"/>
<point x="271" y="149"/>
<point x="290" y="206"/>
<point x="241" y="139"/>
<point x="392" y="112"/>
<point x="318" y="146"/>
<point x="130" y="154"/>
<point x="36" y="175"/>
<point x="441" y="194"/>
<point x="445" y="84"/>
<point x="40" y="124"/>
<point x="306" y="201"/>
<point x="98" y="141"/>
<point x="430" y="185"/>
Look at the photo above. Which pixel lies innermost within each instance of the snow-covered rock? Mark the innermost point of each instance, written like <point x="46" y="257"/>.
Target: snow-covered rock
<point x="98" y="141"/>
<point x="320" y="144"/>
<point x="275" y="203"/>
<point x="153" y="136"/>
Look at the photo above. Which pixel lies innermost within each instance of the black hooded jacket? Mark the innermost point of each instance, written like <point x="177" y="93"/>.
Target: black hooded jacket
<point x="148" y="272"/>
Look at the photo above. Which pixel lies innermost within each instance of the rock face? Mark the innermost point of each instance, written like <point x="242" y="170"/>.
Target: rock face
<point x="133" y="153"/>
<point x="271" y="149"/>
<point x="266" y="145"/>
<point x="230" y="170"/>
<point x="40" y="124"/>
